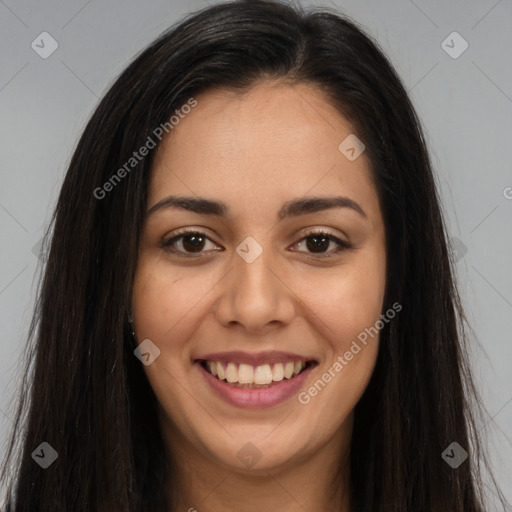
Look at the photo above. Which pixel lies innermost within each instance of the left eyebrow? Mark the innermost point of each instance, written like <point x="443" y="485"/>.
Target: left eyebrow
<point x="302" y="206"/>
<point x="292" y="208"/>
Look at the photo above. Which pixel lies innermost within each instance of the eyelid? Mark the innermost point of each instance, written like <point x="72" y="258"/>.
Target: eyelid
<point x="315" y="230"/>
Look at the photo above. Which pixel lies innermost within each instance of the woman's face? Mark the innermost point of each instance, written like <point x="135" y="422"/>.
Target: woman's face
<point x="254" y="295"/>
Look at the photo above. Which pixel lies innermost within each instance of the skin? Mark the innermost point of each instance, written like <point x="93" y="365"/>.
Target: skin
<point x="255" y="151"/>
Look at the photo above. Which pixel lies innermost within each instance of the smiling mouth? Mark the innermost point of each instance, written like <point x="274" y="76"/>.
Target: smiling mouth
<point x="249" y="376"/>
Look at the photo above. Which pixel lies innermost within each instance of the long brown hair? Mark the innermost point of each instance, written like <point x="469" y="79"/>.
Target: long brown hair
<point x="86" y="394"/>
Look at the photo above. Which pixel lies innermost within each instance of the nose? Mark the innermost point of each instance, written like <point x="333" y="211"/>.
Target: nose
<point x="255" y="295"/>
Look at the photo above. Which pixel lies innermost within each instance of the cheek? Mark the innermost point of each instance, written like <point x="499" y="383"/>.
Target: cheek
<point x="163" y="302"/>
<point x="350" y="304"/>
<point x="163" y="297"/>
<point x="349" y="300"/>
<point x="351" y="310"/>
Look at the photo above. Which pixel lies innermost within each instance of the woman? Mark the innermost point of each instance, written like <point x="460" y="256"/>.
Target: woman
<point x="248" y="300"/>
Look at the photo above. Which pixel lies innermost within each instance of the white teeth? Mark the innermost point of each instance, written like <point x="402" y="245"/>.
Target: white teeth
<point x="245" y="374"/>
<point x="260" y="375"/>
<point x="278" y="372"/>
<point x="288" y="370"/>
<point x="231" y="373"/>
<point x="220" y="371"/>
<point x="263" y="374"/>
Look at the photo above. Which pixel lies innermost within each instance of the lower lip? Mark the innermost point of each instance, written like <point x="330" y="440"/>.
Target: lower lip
<point x="255" y="398"/>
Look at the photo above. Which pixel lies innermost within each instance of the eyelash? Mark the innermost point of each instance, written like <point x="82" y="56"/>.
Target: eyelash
<point x="342" y="245"/>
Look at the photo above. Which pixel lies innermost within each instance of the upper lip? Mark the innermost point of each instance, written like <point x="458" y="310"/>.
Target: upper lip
<point x="254" y="358"/>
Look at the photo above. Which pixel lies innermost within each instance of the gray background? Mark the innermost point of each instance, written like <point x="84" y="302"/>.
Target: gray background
<point x="465" y="104"/>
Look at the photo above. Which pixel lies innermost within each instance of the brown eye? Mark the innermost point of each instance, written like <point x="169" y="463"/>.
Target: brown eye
<point x="187" y="242"/>
<point x="193" y="242"/>
<point x="318" y="242"/>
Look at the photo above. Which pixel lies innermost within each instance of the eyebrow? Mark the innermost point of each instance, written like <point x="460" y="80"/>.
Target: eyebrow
<point x="292" y="208"/>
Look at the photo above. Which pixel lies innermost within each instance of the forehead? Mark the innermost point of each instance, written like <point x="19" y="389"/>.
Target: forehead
<point x="272" y="141"/>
